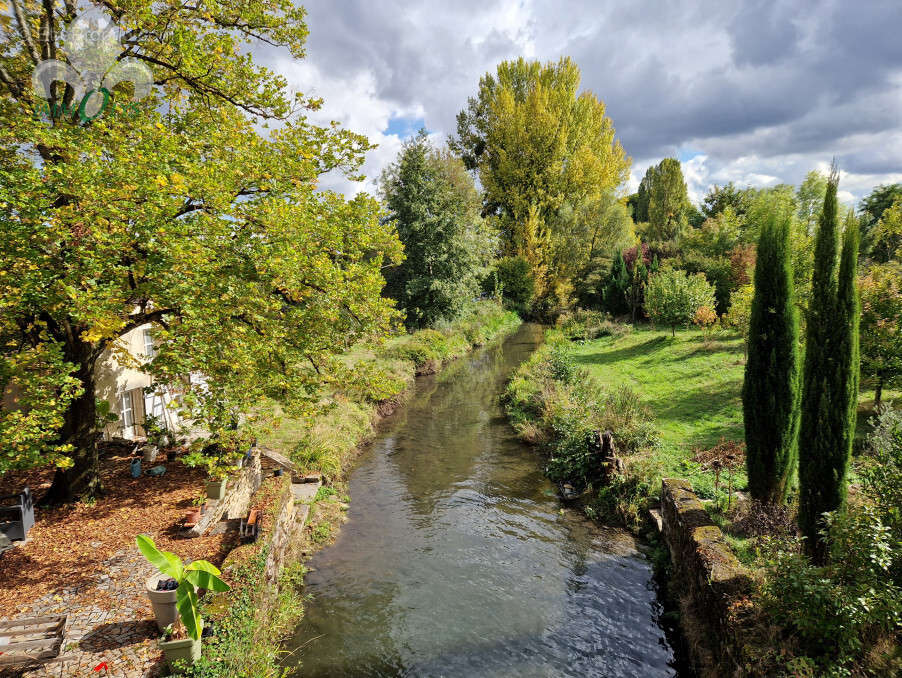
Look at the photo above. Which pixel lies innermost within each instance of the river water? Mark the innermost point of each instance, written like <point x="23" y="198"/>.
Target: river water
<point x="458" y="560"/>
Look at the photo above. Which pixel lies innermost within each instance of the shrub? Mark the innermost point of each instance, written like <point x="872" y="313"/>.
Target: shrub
<point x="704" y="317"/>
<point x="554" y="402"/>
<point x="881" y="476"/>
<point x="581" y="325"/>
<point x="770" y="392"/>
<point x="740" y="312"/>
<point x="247" y="638"/>
<point x="841" y="613"/>
<point x="672" y="297"/>
<point x="514" y="276"/>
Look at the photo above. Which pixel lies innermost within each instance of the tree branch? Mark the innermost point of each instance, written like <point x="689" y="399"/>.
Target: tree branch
<point x="11" y="84"/>
<point x="25" y="31"/>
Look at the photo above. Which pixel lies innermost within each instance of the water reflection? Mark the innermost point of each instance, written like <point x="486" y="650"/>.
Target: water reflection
<point x="457" y="559"/>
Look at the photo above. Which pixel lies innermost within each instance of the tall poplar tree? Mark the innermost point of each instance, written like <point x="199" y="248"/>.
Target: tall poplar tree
<point x="830" y="385"/>
<point x="770" y="394"/>
<point x="537" y="143"/>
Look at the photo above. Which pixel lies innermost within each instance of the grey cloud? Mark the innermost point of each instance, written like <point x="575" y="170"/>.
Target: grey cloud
<point x="791" y="83"/>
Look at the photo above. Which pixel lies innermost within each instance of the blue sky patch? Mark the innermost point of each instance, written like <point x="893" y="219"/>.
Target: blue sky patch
<point x="404" y="127"/>
<point x="685" y="153"/>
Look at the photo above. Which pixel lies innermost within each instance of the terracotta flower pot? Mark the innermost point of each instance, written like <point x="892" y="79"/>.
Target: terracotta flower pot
<point x="192" y="517"/>
<point x="163" y="602"/>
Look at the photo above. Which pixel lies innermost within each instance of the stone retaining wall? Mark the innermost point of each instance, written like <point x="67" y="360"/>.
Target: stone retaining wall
<point x="713" y="584"/>
<point x="234" y="504"/>
<point x="283" y="532"/>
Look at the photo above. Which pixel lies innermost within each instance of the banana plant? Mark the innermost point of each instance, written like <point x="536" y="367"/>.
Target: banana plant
<point x="199" y="574"/>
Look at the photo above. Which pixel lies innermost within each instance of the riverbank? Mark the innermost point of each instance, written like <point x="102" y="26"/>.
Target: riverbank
<point x="458" y="559"/>
<point x="253" y="619"/>
<point x="750" y="603"/>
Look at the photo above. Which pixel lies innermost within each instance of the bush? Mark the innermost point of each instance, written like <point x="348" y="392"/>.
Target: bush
<point x="247" y="638"/>
<point x="842" y="614"/>
<point x="554" y="402"/>
<point x="581" y="325"/>
<point x="513" y="276"/>
<point x="672" y="297"/>
<point x="881" y="476"/>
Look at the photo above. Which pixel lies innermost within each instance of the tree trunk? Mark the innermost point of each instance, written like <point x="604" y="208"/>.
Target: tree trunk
<point x="82" y="479"/>
<point x="878" y="393"/>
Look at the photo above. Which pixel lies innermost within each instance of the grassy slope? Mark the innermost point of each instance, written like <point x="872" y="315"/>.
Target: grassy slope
<point x="327" y="442"/>
<point x="693" y="388"/>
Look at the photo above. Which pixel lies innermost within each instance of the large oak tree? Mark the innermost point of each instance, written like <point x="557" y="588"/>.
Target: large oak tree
<point x="184" y="211"/>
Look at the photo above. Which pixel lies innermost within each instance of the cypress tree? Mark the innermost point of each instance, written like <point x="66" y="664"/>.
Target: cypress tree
<point x="830" y="385"/>
<point x="770" y="394"/>
<point x="617" y="286"/>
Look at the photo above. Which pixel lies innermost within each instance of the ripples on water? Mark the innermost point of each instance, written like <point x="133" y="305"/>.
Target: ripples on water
<point x="458" y="561"/>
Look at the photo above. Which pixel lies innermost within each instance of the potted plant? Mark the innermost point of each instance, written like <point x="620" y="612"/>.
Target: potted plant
<point x="199" y="507"/>
<point x="150" y="453"/>
<point x="184" y="626"/>
<point x="216" y="487"/>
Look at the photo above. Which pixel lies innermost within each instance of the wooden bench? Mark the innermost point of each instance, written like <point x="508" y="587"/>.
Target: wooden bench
<point x="17" y="518"/>
<point x="31" y="640"/>
<point x="250" y="526"/>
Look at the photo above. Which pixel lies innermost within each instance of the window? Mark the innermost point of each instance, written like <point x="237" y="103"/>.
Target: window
<point x="148" y="344"/>
<point x="125" y="410"/>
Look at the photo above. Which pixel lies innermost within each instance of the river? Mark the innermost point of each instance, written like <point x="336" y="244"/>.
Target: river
<point x="458" y="560"/>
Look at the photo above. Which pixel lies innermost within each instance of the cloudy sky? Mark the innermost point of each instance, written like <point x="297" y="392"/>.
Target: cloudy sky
<point x="752" y="91"/>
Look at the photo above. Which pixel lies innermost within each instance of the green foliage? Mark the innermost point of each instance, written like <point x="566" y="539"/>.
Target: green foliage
<point x="598" y="225"/>
<point x="672" y="297"/>
<point x="881" y="326"/>
<point x="770" y="393"/>
<point x="717" y="236"/>
<point x="248" y="636"/>
<point x="434" y="206"/>
<point x="740" y="314"/>
<point x="199" y="574"/>
<point x="873" y="206"/>
<point x="537" y="144"/>
<point x="581" y="325"/>
<point x="845" y="614"/>
<point x="830" y="381"/>
<point x="718" y="271"/>
<point x="554" y="402"/>
<point x="190" y="215"/>
<point x="810" y="199"/>
<point x="881" y="477"/>
<point x="720" y="198"/>
<point x="617" y="286"/>
<point x="515" y="279"/>
<point x="41" y="386"/>
<point x="886" y="236"/>
<point x="664" y="192"/>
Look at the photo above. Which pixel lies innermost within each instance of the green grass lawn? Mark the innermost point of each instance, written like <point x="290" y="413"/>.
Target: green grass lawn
<point x="692" y="387"/>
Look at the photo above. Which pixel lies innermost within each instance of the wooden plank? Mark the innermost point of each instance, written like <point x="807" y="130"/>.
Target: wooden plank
<point x="18" y="660"/>
<point x="29" y="645"/>
<point x="50" y="631"/>
<point x="28" y="621"/>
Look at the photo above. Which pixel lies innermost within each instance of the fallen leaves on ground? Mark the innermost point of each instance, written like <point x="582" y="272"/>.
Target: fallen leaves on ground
<point x="68" y="545"/>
